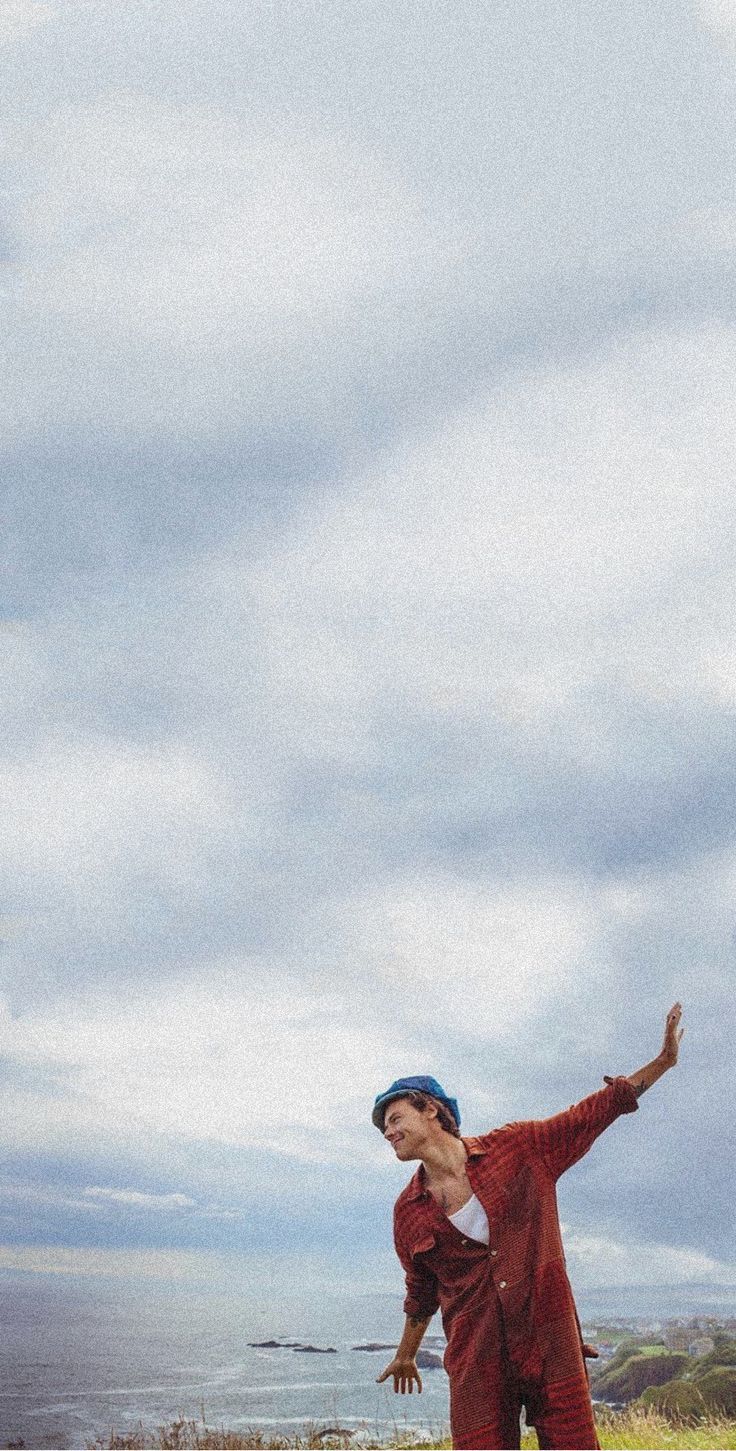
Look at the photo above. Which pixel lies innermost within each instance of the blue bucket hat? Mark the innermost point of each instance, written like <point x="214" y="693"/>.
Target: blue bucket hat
<point x="421" y="1084"/>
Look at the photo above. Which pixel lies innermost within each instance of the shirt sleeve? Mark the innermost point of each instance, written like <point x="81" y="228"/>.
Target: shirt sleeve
<point x="422" y="1298"/>
<point x="563" y="1139"/>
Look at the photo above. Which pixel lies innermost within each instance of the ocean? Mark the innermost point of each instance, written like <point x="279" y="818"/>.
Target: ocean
<point x="80" y="1356"/>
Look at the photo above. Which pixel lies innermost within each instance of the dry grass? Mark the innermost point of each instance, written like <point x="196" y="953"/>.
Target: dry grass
<point x="634" y="1429"/>
<point x="642" y="1429"/>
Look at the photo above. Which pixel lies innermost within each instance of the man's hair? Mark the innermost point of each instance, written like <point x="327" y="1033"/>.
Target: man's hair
<point x="420" y="1101"/>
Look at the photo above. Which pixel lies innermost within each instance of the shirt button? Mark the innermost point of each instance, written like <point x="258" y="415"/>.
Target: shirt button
<point x="494" y="1251"/>
<point x="463" y="1241"/>
<point x="502" y="1284"/>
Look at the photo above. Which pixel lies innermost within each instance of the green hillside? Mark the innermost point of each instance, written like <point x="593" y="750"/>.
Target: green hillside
<point x="711" y="1394"/>
<point x="723" y="1353"/>
<point x="631" y="1371"/>
<point x="707" y="1387"/>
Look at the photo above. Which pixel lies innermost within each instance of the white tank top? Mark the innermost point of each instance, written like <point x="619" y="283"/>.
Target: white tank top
<point x="472" y="1220"/>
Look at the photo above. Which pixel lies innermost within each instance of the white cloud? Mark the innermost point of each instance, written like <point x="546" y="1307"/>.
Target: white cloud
<point x="497" y="608"/>
<point x="250" y="226"/>
<point x="519" y="571"/>
<point x="597" y="1260"/>
<point x="287" y="1059"/>
<point x="97" y="1199"/>
<point x="510" y="571"/>
<point x="708" y="230"/>
<point x="474" y="957"/>
<point x="90" y="813"/>
<point x="509" y="578"/>
<point x="265" y="256"/>
<point x="18" y="18"/>
<point x="192" y="256"/>
<point x="137" y="1199"/>
<point x="720" y="15"/>
<point x="225" y="1057"/>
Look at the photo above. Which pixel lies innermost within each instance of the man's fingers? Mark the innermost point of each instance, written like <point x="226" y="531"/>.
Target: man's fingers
<point x="403" y="1380"/>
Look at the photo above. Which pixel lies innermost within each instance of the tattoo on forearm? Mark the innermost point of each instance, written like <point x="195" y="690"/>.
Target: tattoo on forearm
<point x="638" y="1088"/>
<point x="418" y="1320"/>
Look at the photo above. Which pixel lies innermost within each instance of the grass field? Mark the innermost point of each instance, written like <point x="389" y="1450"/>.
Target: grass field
<point x="631" y="1430"/>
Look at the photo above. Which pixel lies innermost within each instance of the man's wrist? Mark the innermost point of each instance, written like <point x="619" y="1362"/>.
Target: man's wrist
<point x="644" y="1079"/>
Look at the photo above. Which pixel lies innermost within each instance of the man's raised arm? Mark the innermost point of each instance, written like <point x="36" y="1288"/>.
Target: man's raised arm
<point x="563" y="1139"/>
<point x="666" y="1058"/>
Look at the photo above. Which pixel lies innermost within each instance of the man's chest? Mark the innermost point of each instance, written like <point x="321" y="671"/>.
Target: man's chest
<point x="453" y="1193"/>
<point x="507" y="1191"/>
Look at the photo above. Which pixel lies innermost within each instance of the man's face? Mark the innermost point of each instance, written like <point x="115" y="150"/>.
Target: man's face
<point x="406" y="1128"/>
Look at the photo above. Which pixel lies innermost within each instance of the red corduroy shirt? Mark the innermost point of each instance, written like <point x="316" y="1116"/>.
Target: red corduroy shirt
<point x="518" y="1282"/>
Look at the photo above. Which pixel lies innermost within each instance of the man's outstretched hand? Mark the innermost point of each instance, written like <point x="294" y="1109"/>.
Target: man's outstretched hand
<point x="666" y="1058"/>
<point x="672" y="1036"/>
<point x="404" y="1373"/>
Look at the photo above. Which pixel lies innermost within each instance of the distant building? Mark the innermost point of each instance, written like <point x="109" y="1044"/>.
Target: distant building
<point x="702" y="1345"/>
<point x="677" y="1337"/>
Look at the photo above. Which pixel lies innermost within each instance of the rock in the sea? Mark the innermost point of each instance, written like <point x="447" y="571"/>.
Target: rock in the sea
<point x="428" y="1360"/>
<point x="373" y="1345"/>
<point x="292" y="1345"/>
<point x="272" y="1344"/>
<point x="316" y="1349"/>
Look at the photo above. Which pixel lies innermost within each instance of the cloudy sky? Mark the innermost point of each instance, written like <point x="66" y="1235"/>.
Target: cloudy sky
<point x="368" y="657"/>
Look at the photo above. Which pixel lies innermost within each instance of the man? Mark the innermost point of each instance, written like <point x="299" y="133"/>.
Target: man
<point x="477" y="1233"/>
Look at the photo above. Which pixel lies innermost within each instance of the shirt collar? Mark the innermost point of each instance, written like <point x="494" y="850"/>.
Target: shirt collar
<point x="475" y="1147"/>
<point x="417" y="1188"/>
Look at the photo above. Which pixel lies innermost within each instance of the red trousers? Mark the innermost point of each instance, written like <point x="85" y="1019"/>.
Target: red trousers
<point x="488" y="1390"/>
<point x="563" y="1419"/>
<point x="561" y="1413"/>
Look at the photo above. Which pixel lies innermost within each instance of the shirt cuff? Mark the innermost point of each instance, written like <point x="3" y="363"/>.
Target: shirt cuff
<point x="418" y="1311"/>
<point x="624" y="1094"/>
